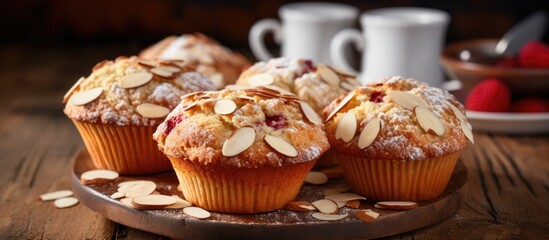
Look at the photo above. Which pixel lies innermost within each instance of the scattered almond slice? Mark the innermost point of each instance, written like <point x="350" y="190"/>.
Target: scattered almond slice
<point x="65" y="202"/>
<point x="328" y="75"/>
<point x="429" y="121"/>
<point x="353" y="204"/>
<point x="343" y="72"/>
<point x="86" y="97"/>
<point x="162" y="72"/>
<point x="467" y="132"/>
<point x="238" y="142"/>
<point x="134" y="80"/>
<point x="366" y="215"/>
<point x="172" y="69"/>
<point x="341" y="104"/>
<point x="141" y="189"/>
<point x="300" y="206"/>
<point x="369" y="133"/>
<point x="346" y="128"/>
<point x="460" y="116"/>
<point x="190" y="106"/>
<point x="262" y="79"/>
<point x="55" y="195"/>
<point x="127" y="201"/>
<point x="325" y="206"/>
<point x="279" y="89"/>
<point x="281" y="146"/>
<point x="330" y="191"/>
<point x="196" y="212"/>
<point x="236" y="87"/>
<point x="329" y="217"/>
<point x="396" y="205"/>
<point x="153" y="201"/>
<point x="224" y="106"/>
<point x="118" y="195"/>
<point x="152" y="110"/>
<point x="130" y="183"/>
<point x="344" y="197"/>
<point x="146" y="63"/>
<point x="156" y="193"/>
<point x="407" y="100"/>
<point x="347" y="86"/>
<point x="74" y="87"/>
<point x="317" y="178"/>
<point x="180" y="203"/>
<point x="310" y="114"/>
<point x="98" y="176"/>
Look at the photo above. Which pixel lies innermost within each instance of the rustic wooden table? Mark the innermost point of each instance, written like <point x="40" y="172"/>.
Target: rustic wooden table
<point x="508" y="176"/>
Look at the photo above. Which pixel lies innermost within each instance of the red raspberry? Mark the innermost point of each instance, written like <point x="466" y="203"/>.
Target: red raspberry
<point x="489" y="95"/>
<point x="531" y="105"/>
<point x="534" y="55"/>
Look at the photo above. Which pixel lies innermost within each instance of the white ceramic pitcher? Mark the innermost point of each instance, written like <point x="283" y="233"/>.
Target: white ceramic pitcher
<point x="404" y="41"/>
<point x="305" y="31"/>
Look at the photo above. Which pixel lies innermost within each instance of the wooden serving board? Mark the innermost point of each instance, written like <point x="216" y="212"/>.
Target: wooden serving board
<point x="281" y="224"/>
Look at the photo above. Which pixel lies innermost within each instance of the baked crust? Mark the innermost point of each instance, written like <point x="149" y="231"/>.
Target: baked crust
<point x="212" y="59"/>
<point x="117" y="106"/>
<point x="194" y="132"/>
<point x="400" y="137"/>
<point x="302" y="78"/>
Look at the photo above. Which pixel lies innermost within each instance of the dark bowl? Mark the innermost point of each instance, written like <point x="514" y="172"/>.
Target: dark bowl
<point x="523" y="82"/>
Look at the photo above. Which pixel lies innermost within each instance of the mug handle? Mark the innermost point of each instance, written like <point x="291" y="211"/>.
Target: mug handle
<point x="257" y="34"/>
<point x="337" y="47"/>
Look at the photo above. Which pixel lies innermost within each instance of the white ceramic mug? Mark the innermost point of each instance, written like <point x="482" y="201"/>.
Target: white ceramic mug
<point x="305" y="31"/>
<point x="404" y="41"/>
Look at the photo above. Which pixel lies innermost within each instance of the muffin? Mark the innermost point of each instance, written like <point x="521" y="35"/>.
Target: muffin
<point x="318" y="85"/>
<point x="119" y="105"/>
<point x="244" y="151"/>
<point x="222" y="65"/>
<point x="397" y="139"/>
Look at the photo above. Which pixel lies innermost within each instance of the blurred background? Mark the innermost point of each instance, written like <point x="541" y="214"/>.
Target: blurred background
<point x="37" y="32"/>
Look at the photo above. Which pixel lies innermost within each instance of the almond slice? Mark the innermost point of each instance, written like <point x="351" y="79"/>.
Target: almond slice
<point x="309" y="113"/>
<point x="162" y="72"/>
<point x="236" y="87"/>
<point x="134" y="80"/>
<point x="325" y="206"/>
<point x="346" y="128"/>
<point x="172" y="69"/>
<point x="98" y="176"/>
<point x="330" y="191"/>
<point x="366" y="215"/>
<point x="180" y="203"/>
<point x="118" y="195"/>
<point x="369" y="133"/>
<point x="141" y="189"/>
<point x="353" y="204"/>
<point x="328" y="75"/>
<point x="300" y="206"/>
<point x="347" y="86"/>
<point x="460" y="116"/>
<point x="153" y="201"/>
<point x="467" y="131"/>
<point x="74" y="87"/>
<point x="238" y="142"/>
<point x="147" y="63"/>
<point x="131" y="183"/>
<point x="82" y="98"/>
<point x="196" y="212"/>
<point x="429" y="121"/>
<point x="262" y="79"/>
<point x="317" y="178"/>
<point x="343" y="72"/>
<point x="396" y="205"/>
<point x="341" y="104"/>
<point x="152" y="111"/>
<point x="329" y="217"/>
<point x="279" y="89"/>
<point x="344" y="197"/>
<point x="281" y="146"/>
<point x="65" y="202"/>
<point x="224" y="106"/>
<point x="55" y="195"/>
<point x="407" y="100"/>
<point x="128" y="202"/>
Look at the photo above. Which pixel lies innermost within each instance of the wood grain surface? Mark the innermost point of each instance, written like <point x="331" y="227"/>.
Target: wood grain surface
<point x="508" y="176"/>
